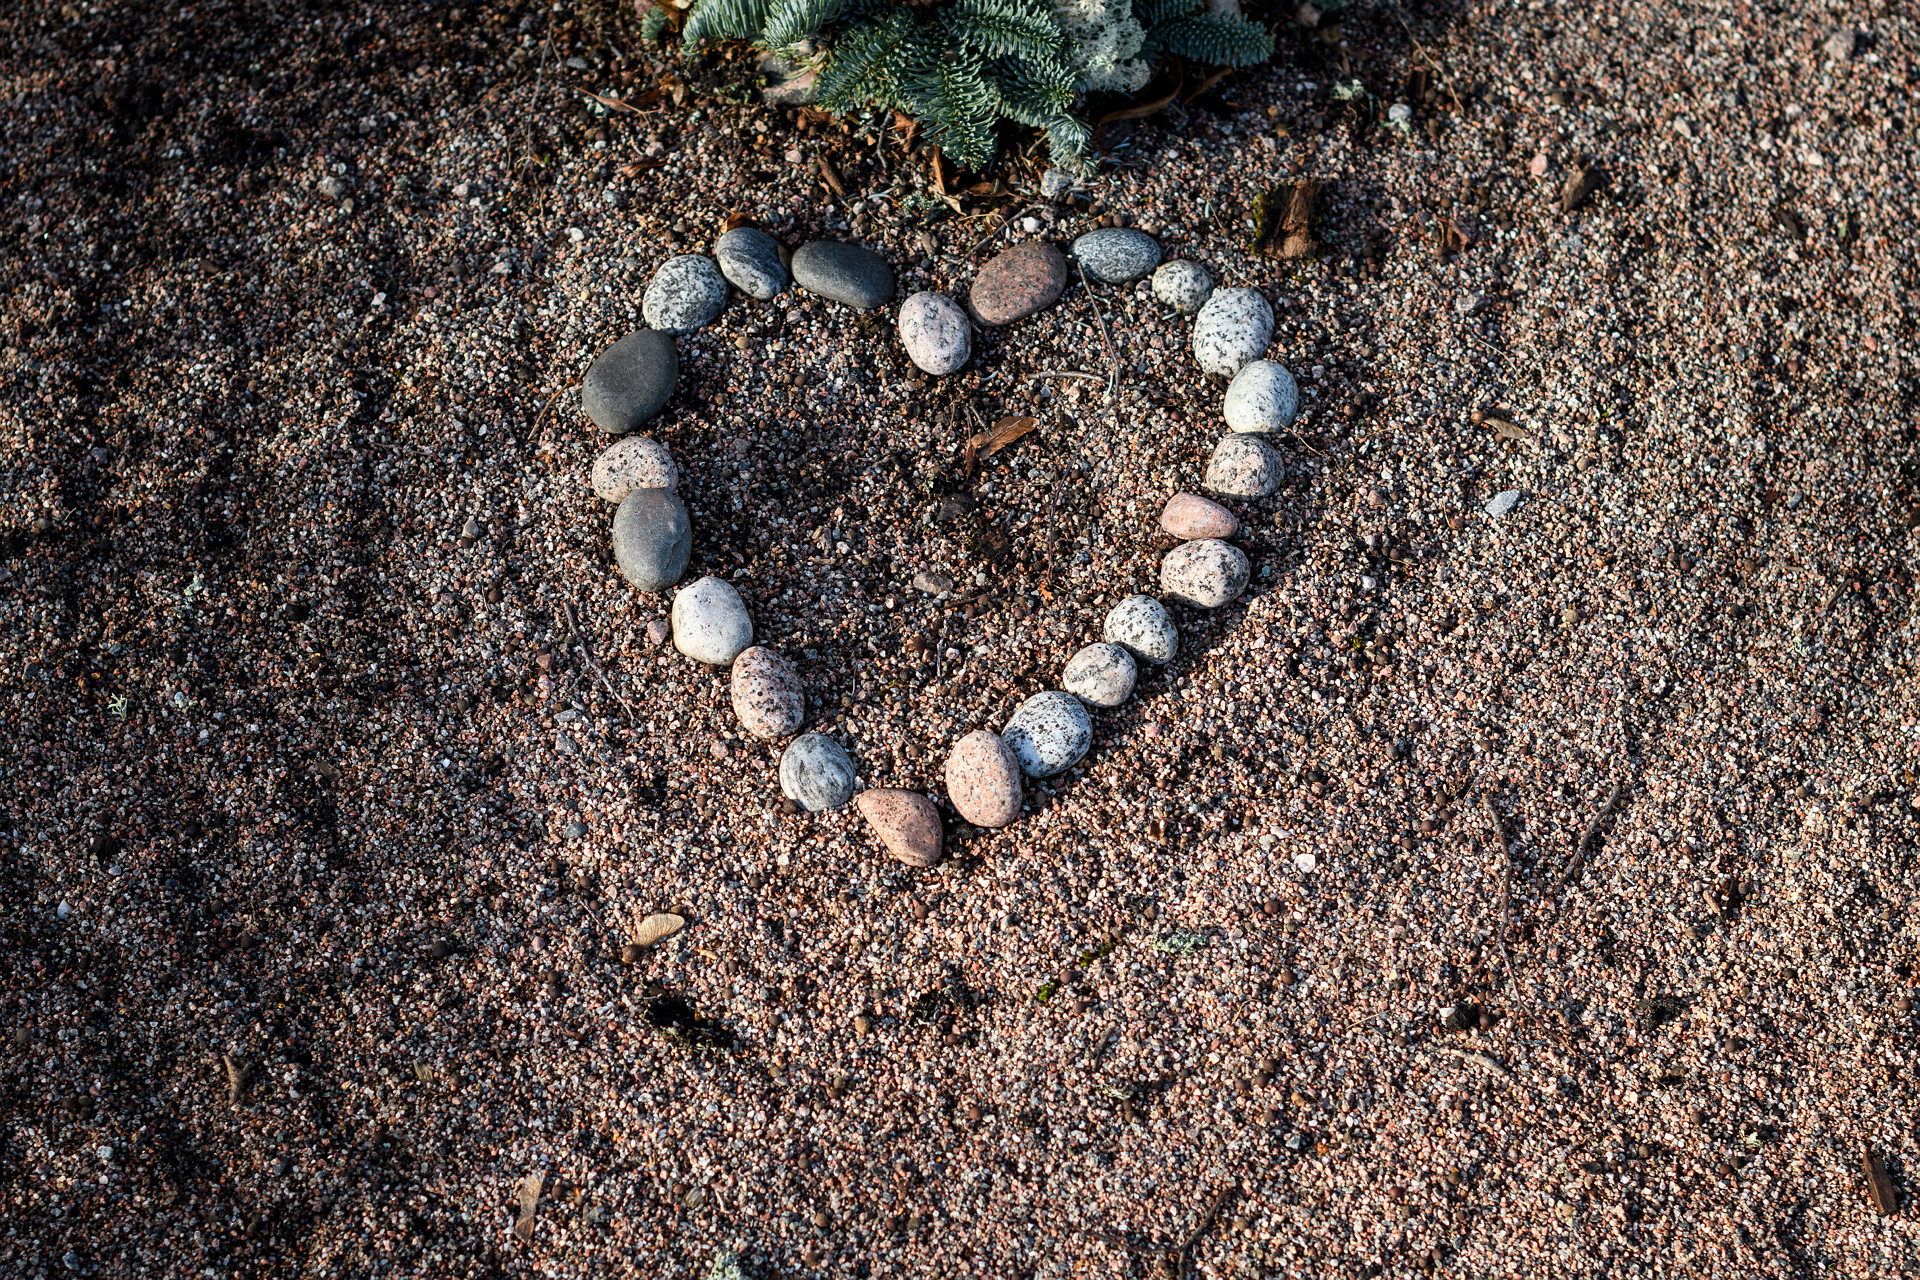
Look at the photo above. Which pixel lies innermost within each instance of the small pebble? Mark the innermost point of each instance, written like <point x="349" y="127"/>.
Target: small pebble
<point x="935" y="332"/>
<point x="1142" y="626"/>
<point x="1049" y="734"/>
<point x="1115" y="255"/>
<point x="710" y="622"/>
<point x="1262" y="397"/>
<point x="1206" y="574"/>
<point x="659" y="631"/>
<point x="1233" y="327"/>
<point x="635" y="462"/>
<point x="768" y="698"/>
<point x="1100" y="675"/>
<point x="1188" y="516"/>
<point x="906" y="822"/>
<point x="816" y="773"/>
<point x="1244" y="466"/>
<point x="1056" y="184"/>
<point x="848" y="273"/>
<point x="983" y="780"/>
<point x="1183" y="285"/>
<point x="686" y="294"/>
<point x="1502" y="503"/>
<point x="652" y="538"/>
<point x="1013" y="285"/>
<point x="750" y="259"/>
<point x="629" y="382"/>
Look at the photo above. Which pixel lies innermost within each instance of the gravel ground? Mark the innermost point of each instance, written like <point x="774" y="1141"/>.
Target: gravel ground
<point x="326" y="838"/>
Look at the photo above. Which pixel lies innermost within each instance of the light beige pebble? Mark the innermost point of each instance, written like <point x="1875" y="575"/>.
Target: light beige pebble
<point x="1244" y="466"/>
<point x="768" y="696"/>
<point x="1205" y="574"/>
<point x="710" y="622"/>
<point x="983" y="780"/>
<point x="906" y="822"/>
<point x="1188" y="516"/>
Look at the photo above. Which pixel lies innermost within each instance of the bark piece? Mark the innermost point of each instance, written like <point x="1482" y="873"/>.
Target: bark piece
<point x="1285" y="219"/>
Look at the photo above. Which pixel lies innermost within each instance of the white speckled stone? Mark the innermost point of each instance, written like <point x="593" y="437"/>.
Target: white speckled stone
<point x="935" y="332"/>
<point x="1262" y="397"/>
<point x="1205" y="574"/>
<point x="635" y="462"/>
<point x="1232" y="328"/>
<point x="1115" y="255"/>
<point x="1183" y="285"/>
<point x="767" y="694"/>
<point x="1141" y="625"/>
<point x="687" y="292"/>
<point x="816" y="772"/>
<point x="710" y="622"/>
<point x="1049" y="733"/>
<point x="1100" y="675"/>
<point x="1244" y="466"/>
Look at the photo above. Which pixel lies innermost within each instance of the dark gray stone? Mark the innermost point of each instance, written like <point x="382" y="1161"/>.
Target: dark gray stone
<point x="848" y="273"/>
<point x="652" y="538"/>
<point x="750" y="258"/>
<point x="630" y="381"/>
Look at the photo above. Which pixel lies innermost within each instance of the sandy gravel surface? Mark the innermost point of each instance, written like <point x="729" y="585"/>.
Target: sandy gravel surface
<point x="326" y="840"/>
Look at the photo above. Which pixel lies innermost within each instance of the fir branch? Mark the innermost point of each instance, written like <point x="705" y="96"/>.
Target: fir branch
<point x="1221" y="39"/>
<point x="789" y="22"/>
<point x="999" y="27"/>
<point x="724" y="20"/>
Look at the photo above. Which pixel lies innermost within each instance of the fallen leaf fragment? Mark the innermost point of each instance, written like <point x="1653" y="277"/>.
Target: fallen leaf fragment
<point x="1003" y="433"/>
<point x="734" y="220"/>
<point x="1585" y="179"/>
<point x="658" y="928"/>
<point x="529" y="1201"/>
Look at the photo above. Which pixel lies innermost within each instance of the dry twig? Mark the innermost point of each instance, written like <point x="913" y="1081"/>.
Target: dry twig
<point x="1506" y="900"/>
<point x="1586" y="841"/>
<point x="598" y="670"/>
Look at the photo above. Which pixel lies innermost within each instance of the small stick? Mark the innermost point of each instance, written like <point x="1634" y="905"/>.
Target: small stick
<point x="1506" y="898"/>
<point x="989" y="237"/>
<point x="594" y="662"/>
<point x="545" y="409"/>
<point x="1206" y="1219"/>
<point x="1113" y="378"/>
<point x="1586" y="841"/>
<point x="1477" y="1059"/>
<point x="1064" y="373"/>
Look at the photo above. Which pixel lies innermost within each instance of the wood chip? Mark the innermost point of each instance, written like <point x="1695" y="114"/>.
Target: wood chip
<point x="236" y="1078"/>
<point x="1477" y="1059"/>
<point x="832" y="177"/>
<point x="1585" y="179"/>
<point x="1285" y="218"/>
<point x="1507" y="431"/>
<point x="529" y="1201"/>
<point x="1880" y="1189"/>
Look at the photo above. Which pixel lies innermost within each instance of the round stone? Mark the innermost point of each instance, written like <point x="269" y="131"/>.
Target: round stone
<point x="1182" y="285"/>
<point x="935" y="332"/>
<point x="1014" y="285"/>
<point x="710" y="622"/>
<point x="816" y="773"/>
<point x="983" y="780"/>
<point x="1049" y="733"/>
<point x="750" y="258"/>
<point x="687" y="292"/>
<point x="652" y="538"/>
<point x="1205" y="574"/>
<point x="1244" y="466"/>
<point x="848" y="273"/>
<point x="637" y="462"/>
<point x="1188" y="516"/>
<point x="768" y="697"/>
<point x="1115" y="255"/>
<point x="1232" y="328"/>
<point x="629" y="382"/>
<point x="1262" y="397"/>
<point x="906" y="822"/>
<point x="1100" y="675"/>
<point x="1142" y="626"/>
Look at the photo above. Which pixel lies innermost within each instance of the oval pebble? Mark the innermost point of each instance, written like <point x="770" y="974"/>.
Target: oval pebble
<point x="906" y="822"/>
<point x="1183" y="285"/>
<point x="1262" y="397"/>
<point x="1100" y="675"/>
<point x="652" y="538"/>
<point x="935" y="332"/>
<point x="637" y="462"/>
<point x="848" y="273"/>
<point x="1115" y="255"/>
<point x="1188" y="516"/>
<point x="1206" y="574"/>
<point x="816" y="773"/>
<point x="768" y="697"/>
<point x="1142" y="626"/>
<point x="710" y="622"/>
<point x="1244" y="466"/>
<point x="750" y="258"/>
<point x="687" y="292"/>
<point x="1026" y="279"/>
<point x="1049" y="734"/>
<point x="1232" y="328"/>
<point x="629" y="382"/>
<point x="983" y="780"/>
